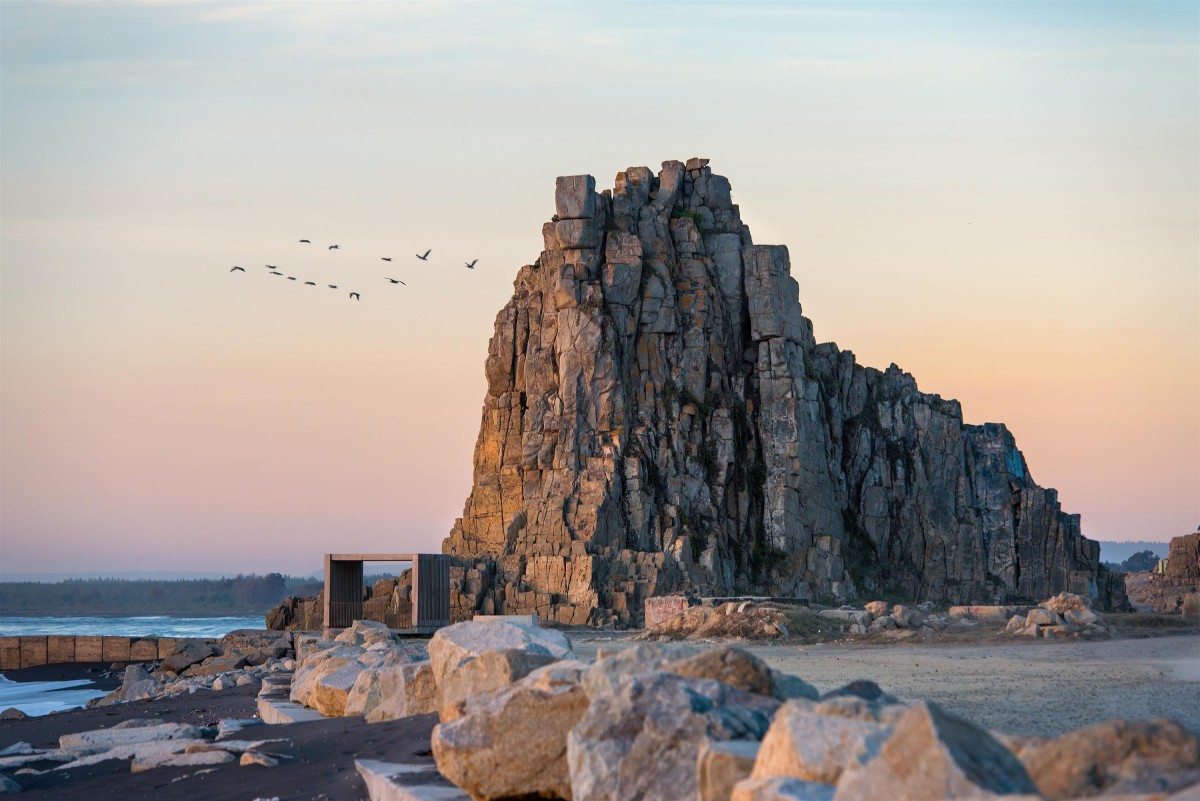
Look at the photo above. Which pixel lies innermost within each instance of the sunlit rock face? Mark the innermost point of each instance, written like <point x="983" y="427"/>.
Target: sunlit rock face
<point x="659" y="417"/>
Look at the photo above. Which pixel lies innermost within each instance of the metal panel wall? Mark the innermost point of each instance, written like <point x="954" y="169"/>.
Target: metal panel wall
<point x="431" y="588"/>
<point x="344" y="593"/>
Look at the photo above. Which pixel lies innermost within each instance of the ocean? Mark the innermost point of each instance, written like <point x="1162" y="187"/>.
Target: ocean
<point x="142" y="626"/>
<point x="44" y="697"/>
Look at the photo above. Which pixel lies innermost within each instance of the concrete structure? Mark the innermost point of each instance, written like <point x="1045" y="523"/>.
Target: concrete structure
<point x="430" y="588"/>
<point x="32" y="651"/>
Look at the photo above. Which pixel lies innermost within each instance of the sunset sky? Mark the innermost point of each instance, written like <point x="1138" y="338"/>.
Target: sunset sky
<point x="1003" y="199"/>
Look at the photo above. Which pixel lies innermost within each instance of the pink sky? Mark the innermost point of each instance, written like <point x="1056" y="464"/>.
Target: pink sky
<point x="1006" y="205"/>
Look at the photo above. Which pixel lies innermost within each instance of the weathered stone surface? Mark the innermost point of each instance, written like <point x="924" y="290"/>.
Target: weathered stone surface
<point x="191" y="760"/>
<point x="804" y="744"/>
<point x="470" y="658"/>
<point x="1114" y="757"/>
<point x="324" y="679"/>
<point x="186" y="654"/>
<point x="1183" y="558"/>
<point x="933" y="755"/>
<point x="216" y="665"/>
<point x="513" y="743"/>
<point x="660" y="418"/>
<point x="90" y="742"/>
<point x="664" y="607"/>
<point x="640" y="742"/>
<point x="721" y="764"/>
<point x="393" y="692"/>
<point x="781" y="788"/>
<point x="614" y="666"/>
<point x="729" y="664"/>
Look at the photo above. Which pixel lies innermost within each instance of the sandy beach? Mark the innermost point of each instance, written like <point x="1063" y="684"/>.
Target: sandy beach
<point x="1017" y="687"/>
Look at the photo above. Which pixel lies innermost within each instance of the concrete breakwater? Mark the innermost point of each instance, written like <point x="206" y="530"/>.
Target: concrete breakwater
<point x="34" y="651"/>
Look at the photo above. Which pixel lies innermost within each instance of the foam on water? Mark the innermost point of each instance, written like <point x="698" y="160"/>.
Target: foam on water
<point x="43" y="697"/>
<point x="140" y="626"/>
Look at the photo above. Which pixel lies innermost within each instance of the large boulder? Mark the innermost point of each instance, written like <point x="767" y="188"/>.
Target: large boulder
<point x="474" y="657"/>
<point x="1118" y="756"/>
<point x="186" y="654"/>
<point x="323" y="680"/>
<point x="365" y="633"/>
<point x="1066" y="602"/>
<point x="805" y="744"/>
<point x="721" y="764"/>
<point x="136" y="685"/>
<point x="780" y="788"/>
<point x="734" y="666"/>
<point x="614" y="666"/>
<point x="640" y="742"/>
<point x="933" y="755"/>
<point x="513" y="743"/>
<point x="391" y="692"/>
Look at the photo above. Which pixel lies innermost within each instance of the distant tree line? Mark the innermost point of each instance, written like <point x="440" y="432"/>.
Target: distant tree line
<point x="242" y="595"/>
<point x="1142" y="560"/>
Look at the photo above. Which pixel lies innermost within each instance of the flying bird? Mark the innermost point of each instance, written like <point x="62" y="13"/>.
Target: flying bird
<point x="387" y="258"/>
<point x="471" y="266"/>
<point x="305" y="242"/>
<point x="291" y="278"/>
<point x="333" y="286"/>
<point x="271" y="266"/>
<point x="355" y="296"/>
<point x="310" y="283"/>
<point x="335" y="247"/>
<point x="395" y="281"/>
<point x="276" y="272"/>
<point x="235" y="267"/>
<point x="425" y="257"/>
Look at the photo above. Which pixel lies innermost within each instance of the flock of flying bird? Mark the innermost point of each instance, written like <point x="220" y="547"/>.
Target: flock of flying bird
<point x="353" y="295"/>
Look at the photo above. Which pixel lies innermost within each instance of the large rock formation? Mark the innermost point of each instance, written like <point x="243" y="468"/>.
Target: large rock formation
<point x="659" y="417"/>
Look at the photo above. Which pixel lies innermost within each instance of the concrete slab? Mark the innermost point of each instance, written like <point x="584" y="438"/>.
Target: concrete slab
<point x="391" y="781"/>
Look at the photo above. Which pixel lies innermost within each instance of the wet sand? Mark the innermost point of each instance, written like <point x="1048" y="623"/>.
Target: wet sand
<point x="1017" y="687"/>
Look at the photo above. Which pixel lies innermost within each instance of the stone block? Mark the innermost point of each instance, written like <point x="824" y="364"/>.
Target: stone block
<point x="10" y="653"/>
<point x="991" y="614"/>
<point x="33" y="651"/>
<point x="115" y="649"/>
<point x="577" y="234"/>
<point x="575" y="197"/>
<point x="143" y="650"/>
<point x="60" y="649"/>
<point x="166" y="647"/>
<point x="89" y="649"/>
<point x="665" y="607"/>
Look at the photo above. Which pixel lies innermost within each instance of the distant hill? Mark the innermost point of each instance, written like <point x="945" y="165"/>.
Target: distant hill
<point x="1117" y="552"/>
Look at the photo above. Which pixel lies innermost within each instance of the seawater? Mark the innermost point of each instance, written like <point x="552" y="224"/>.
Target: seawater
<point x="143" y="626"/>
<point x="44" y="697"/>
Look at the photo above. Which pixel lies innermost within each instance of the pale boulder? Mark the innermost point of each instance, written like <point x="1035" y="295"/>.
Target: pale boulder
<point x="513" y="742"/>
<point x="780" y="788"/>
<point x="721" y="764"/>
<point x="804" y="744"/>
<point x="475" y="657"/>
<point x="640" y="742"/>
<point x="392" y="692"/>
<point x="933" y="755"/>
<point x="1117" y="756"/>
<point x="878" y="608"/>
<point x="612" y="667"/>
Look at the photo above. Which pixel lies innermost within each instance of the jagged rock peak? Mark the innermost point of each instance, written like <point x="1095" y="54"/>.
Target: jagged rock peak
<point x="659" y="417"/>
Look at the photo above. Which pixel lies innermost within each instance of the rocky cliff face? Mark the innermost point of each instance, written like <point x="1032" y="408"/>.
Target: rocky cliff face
<point x="659" y="417"/>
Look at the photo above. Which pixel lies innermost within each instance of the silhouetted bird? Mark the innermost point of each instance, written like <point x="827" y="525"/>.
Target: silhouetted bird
<point x="355" y="296"/>
<point x="310" y="283"/>
<point x="335" y="247"/>
<point x="305" y="242"/>
<point x="471" y="266"/>
<point x="333" y="286"/>
<point x="387" y="258"/>
<point x="271" y="266"/>
<point x="276" y="272"/>
<point x="425" y="257"/>
<point x="291" y="278"/>
<point x="235" y="267"/>
<point x="395" y="281"/>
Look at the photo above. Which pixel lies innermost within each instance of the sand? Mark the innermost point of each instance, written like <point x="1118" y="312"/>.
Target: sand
<point x="1018" y="687"/>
